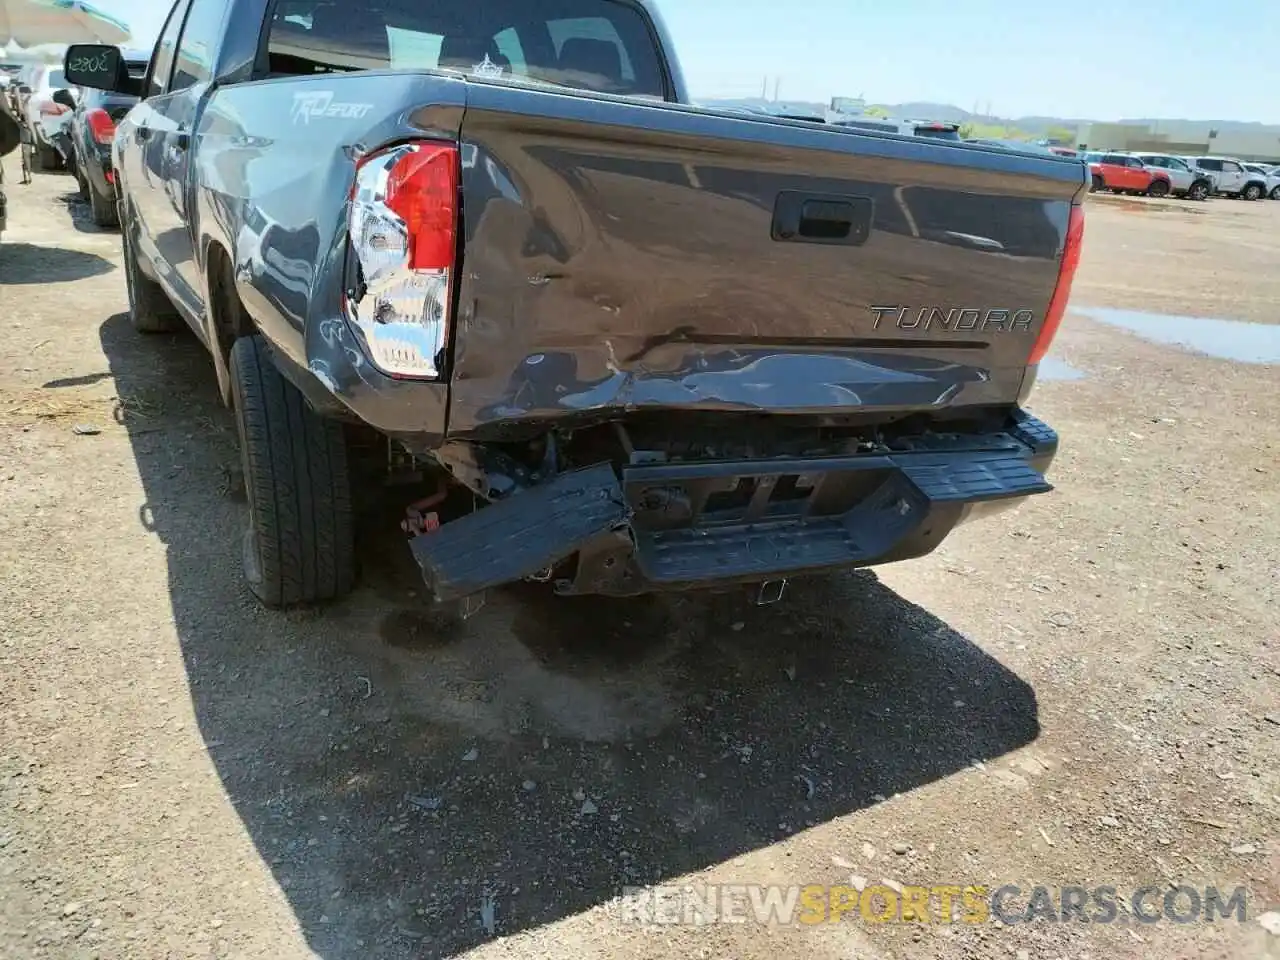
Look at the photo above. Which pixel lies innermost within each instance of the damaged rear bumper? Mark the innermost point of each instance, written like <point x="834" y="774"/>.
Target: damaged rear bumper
<point x="680" y="526"/>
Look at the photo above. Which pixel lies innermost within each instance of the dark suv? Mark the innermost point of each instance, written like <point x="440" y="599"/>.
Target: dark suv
<point x="93" y="127"/>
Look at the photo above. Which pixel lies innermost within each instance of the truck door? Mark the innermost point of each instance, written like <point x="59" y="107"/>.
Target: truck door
<point x="178" y="113"/>
<point x="140" y="154"/>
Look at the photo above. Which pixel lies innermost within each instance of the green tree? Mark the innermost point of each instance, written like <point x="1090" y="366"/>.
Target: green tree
<point x="876" y="112"/>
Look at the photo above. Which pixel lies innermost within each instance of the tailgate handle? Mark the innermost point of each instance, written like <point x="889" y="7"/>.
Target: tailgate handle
<point x="800" y="217"/>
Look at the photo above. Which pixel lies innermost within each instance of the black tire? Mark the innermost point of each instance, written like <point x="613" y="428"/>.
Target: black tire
<point x="1198" y="191"/>
<point x="1158" y="189"/>
<point x="1252" y="192"/>
<point x="102" y="210"/>
<point x="82" y="184"/>
<point x="1096" y="184"/>
<point x="150" y="310"/>
<point x="48" y="158"/>
<point x="1275" y="193"/>
<point x="300" y="545"/>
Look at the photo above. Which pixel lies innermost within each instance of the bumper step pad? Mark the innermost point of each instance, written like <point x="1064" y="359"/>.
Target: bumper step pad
<point x="868" y="530"/>
<point x="521" y="536"/>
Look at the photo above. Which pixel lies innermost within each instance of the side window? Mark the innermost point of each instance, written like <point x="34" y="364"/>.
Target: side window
<point x="166" y="46"/>
<point x="1230" y="167"/>
<point x="587" y="39"/>
<point x="1113" y="160"/>
<point x="1134" y="162"/>
<point x="508" y="44"/>
<point x="200" y="35"/>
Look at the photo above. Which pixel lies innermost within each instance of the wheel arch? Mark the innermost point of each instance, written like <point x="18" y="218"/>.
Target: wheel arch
<point x="226" y="317"/>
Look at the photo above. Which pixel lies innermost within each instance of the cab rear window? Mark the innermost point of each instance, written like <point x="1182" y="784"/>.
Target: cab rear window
<point x="606" y="46"/>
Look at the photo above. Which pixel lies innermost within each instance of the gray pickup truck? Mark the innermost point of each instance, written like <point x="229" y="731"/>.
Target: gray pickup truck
<point x="624" y="344"/>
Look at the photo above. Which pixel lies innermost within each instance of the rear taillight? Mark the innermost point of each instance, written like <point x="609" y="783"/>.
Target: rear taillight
<point x="403" y="235"/>
<point x="101" y="127"/>
<point x="1062" y="292"/>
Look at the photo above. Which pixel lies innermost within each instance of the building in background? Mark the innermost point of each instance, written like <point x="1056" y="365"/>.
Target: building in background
<point x="1189" y="137"/>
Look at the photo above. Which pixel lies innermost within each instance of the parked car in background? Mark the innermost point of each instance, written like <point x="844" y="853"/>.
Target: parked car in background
<point x="910" y="128"/>
<point x="1025" y="145"/>
<point x="46" y="119"/>
<point x="1231" y="178"/>
<point x="1272" y="177"/>
<point x="1124" y="173"/>
<point x="1183" y="180"/>
<point x="93" y="128"/>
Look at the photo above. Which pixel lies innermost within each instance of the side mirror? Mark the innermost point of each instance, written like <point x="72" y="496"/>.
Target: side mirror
<point x="24" y="90"/>
<point x="65" y="98"/>
<point x="99" y="66"/>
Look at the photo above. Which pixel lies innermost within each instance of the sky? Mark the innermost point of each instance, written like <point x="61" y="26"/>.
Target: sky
<point x="1103" y="60"/>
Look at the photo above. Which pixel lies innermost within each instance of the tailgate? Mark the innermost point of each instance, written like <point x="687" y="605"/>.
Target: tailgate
<point x="621" y="255"/>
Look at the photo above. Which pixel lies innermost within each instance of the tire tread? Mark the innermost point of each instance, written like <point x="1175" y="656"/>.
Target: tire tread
<point x="297" y="477"/>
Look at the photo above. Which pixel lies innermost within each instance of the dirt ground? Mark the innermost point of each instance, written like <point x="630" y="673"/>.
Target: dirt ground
<point x="1082" y="691"/>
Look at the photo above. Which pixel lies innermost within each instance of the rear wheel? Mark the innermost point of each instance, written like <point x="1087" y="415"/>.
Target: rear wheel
<point x="103" y="210"/>
<point x="82" y="184"/>
<point x="47" y="157"/>
<point x="300" y="545"/>
<point x="1198" y="191"/>
<point x="1096" y="184"/>
<point x="1252" y="192"/>
<point x="149" y="308"/>
<point x="1158" y="188"/>
<point x="1275" y="193"/>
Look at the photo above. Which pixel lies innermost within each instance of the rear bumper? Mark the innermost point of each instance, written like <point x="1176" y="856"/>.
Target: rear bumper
<point x="684" y="526"/>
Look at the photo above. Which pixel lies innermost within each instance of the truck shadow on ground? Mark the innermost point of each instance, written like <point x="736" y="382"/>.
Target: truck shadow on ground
<point x="415" y="792"/>
<point x="23" y="264"/>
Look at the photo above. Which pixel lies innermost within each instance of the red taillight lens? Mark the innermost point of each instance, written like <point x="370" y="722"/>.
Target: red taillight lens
<point x="422" y="188"/>
<point x="101" y="127"/>
<point x="1062" y="292"/>
<point x="402" y="225"/>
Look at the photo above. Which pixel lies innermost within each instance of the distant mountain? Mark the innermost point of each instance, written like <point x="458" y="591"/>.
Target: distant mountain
<point x="949" y="113"/>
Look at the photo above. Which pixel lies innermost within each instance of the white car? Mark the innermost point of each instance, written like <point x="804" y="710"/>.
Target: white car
<point x="1183" y="180"/>
<point x="1233" y="178"/>
<point x="1272" y="176"/>
<point x="45" y="118"/>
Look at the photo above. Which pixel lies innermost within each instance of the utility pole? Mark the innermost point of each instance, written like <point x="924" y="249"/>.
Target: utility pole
<point x="777" y="83"/>
<point x="764" y="87"/>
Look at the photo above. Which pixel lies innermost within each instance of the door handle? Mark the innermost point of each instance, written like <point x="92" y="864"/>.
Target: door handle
<point x="800" y="217"/>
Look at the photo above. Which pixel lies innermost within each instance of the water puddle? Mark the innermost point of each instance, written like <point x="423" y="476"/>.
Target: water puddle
<point x="1224" y="339"/>
<point x="1051" y="368"/>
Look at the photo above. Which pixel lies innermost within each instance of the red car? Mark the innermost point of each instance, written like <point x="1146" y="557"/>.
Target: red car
<point x="1121" y="173"/>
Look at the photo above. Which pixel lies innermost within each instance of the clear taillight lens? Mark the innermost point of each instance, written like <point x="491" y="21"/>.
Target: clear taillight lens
<point x="403" y="235"/>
